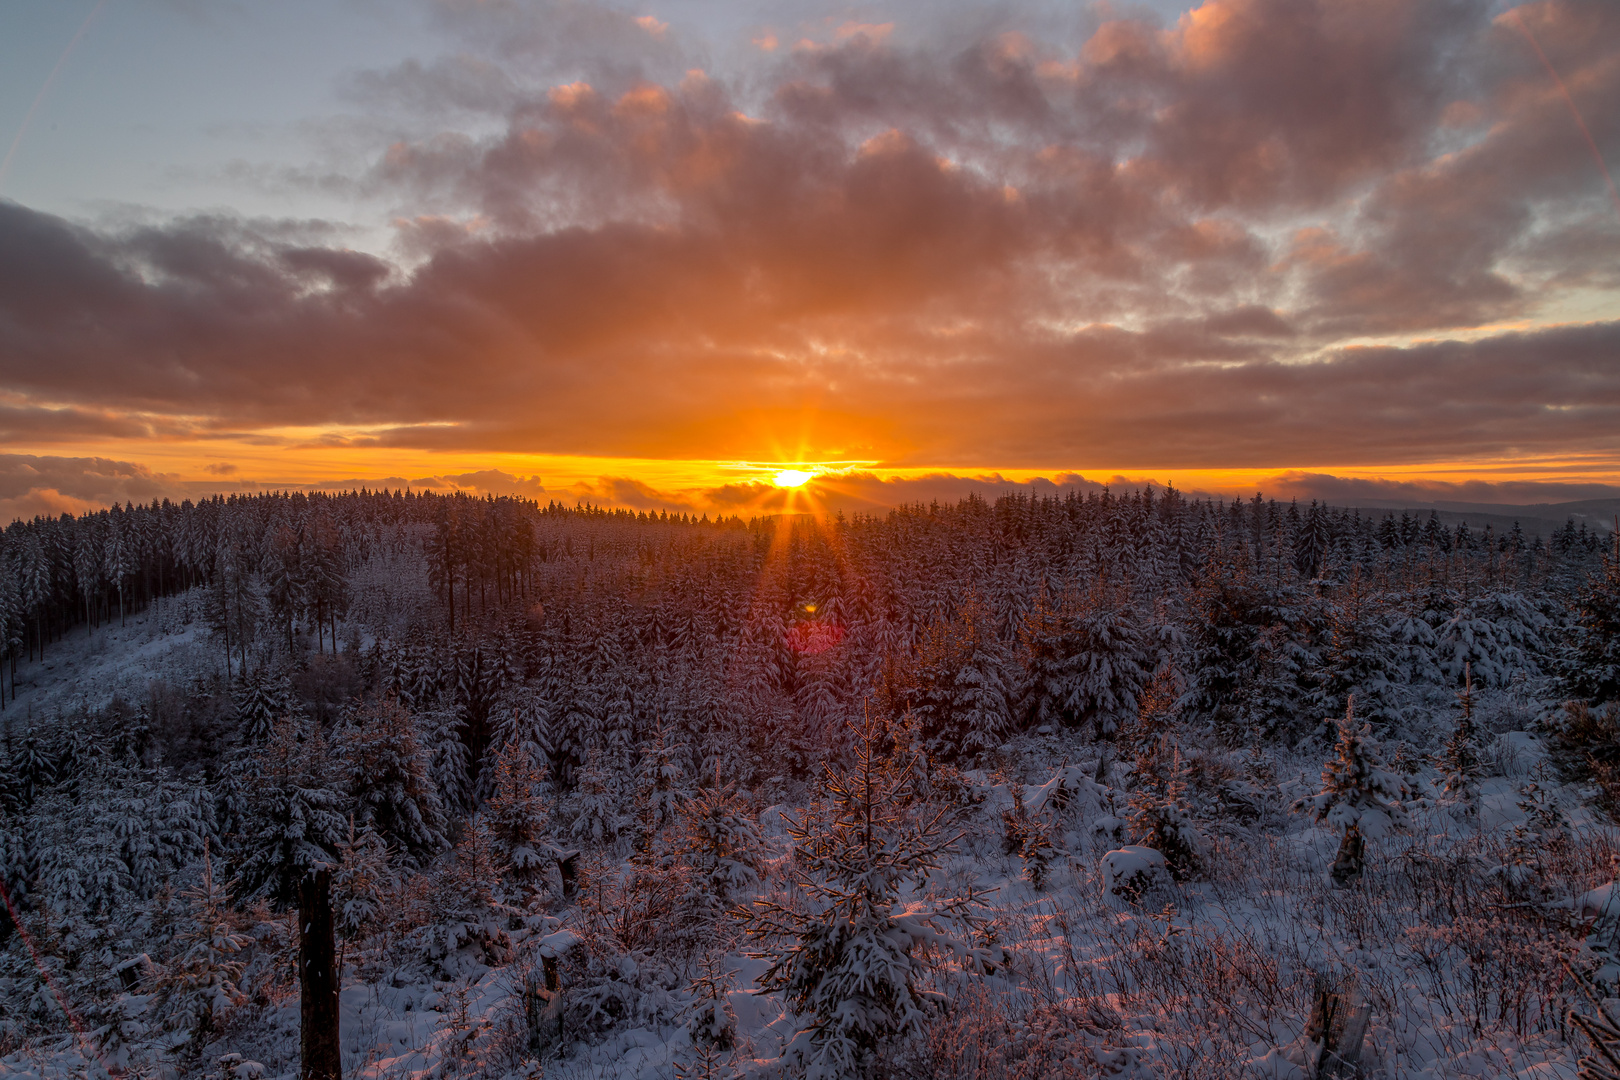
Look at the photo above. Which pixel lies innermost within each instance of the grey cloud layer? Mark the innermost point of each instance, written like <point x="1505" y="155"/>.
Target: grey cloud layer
<point x="1151" y="249"/>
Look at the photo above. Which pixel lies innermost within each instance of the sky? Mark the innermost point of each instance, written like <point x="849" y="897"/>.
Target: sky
<point x="678" y="254"/>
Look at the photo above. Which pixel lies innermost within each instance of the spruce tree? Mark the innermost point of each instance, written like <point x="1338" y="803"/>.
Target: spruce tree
<point x="595" y="805"/>
<point x="1459" y="757"/>
<point x="518" y="814"/>
<point x="1161" y="816"/>
<point x="292" y="820"/>
<point x="386" y="773"/>
<point x="197" y="991"/>
<point x="1359" y="796"/>
<point x="956" y="684"/>
<point x="260" y="699"/>
<point x="1087" y="661"/>
<point x="659" y="787"/>
<point x="360" y="881"/>
<point x="847" y="961"/>
<point x="1589" y="666"/>
<point x="719" y="842"/>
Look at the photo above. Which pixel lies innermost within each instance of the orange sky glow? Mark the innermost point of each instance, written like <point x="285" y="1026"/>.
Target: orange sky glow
<point x="1364" y="253"/>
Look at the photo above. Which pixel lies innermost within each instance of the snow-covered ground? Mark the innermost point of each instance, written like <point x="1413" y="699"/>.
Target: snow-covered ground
<point x="87" y="668"/>
<point x="1208" y="978"/>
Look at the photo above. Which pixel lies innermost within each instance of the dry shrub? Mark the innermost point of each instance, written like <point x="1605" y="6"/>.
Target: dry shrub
<point x="987" y="1036"/>
<point x="1585" y="745"/>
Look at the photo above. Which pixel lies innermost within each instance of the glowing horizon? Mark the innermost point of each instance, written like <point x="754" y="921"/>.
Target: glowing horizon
<point x="652" y="263"/>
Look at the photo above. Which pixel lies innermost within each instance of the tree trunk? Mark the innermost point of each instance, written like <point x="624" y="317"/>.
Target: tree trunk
<point x="319" y="1050"/>
<point x="1351" y="859"/>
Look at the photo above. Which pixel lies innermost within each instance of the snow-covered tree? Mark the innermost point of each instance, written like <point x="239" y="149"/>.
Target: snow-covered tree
<point x="260" y="699"/>
<point x="389" y="787"/>
<point x="595" y="807"/>
<point x="1359" y="796"/>
<point x="1161" y="815"/>
<point x="360" y="882"/>
<point x="1494" y="637"/>
<point x="519" y="814"/>
<point x="439" y="734"/>
<point x="712" y="1025"/>
<point x="1458" y="760"/>
<point x="463" y="910"/>
<point x="957" y="683"/>
<point x="293" y="813"/>
<point x="1589" y="666"/>
<point x="847" y="962"/>
<point x="1086" y="661"/>
<point x="720" y="842"/>
<point x="1361" y="656"/>
<point x="660" y="787"/>
<point x="197" y="991"/>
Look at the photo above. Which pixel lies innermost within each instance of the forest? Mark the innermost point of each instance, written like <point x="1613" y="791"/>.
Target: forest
<point x="1102" y="785"/>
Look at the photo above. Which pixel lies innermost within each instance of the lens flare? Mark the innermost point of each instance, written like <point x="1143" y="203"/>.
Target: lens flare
<point x="789" y="478"/>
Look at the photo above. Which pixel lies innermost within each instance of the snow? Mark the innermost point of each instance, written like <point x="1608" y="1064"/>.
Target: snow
<point x="1099" y="963"/>
<point x="1133" y="870"/>
<point x="86" y="669"/>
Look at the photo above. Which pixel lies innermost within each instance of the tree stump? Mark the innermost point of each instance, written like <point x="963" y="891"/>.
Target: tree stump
<point x="1352" y="858"/>
<point x="1338" y="1026"/>
<point x="568" y="864"/>
<point x="319" y="1050"/>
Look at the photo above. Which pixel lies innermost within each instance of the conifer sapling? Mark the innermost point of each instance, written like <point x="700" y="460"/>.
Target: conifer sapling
<point x="1359" y="796"/>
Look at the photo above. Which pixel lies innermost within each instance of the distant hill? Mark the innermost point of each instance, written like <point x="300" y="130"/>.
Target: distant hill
<point x="1539" y="519"/>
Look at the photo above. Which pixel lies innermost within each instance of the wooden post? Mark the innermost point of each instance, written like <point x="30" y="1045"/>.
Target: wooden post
<point x="1338" y="1026"/>
<point x="318" y="1045"/>
<point x="553" y="981"/>
<point x="568" y="866"/>
<point x="1352" y="858"/>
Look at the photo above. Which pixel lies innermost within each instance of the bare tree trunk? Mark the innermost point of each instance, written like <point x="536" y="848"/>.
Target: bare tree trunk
<point x="319" y="1049"/>
<point x="1352" y="858"/>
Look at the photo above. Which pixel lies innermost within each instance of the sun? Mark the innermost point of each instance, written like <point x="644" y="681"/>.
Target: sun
<point x="791" y="478"/>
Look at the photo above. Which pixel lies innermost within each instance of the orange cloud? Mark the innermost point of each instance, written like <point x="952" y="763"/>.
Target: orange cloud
<point x="1262" y="236"/>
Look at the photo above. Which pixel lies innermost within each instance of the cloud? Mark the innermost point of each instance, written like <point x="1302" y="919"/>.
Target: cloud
<point x="863" y="492"/>
<point x="32" y="485"/>
<point x="1348" y="491"/>
<point x="41" y="485"/>
<point x="1163" y="246"/>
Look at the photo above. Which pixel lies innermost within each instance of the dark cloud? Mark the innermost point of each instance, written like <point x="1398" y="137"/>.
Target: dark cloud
<point x="32" y="485"/>
<point x="997" y="249"/>
<point x="1350" y="491"/>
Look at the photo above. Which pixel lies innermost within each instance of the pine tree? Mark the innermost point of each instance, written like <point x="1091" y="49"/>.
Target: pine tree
<point x="1459" y="757"/>
<point x="292" y="818"/>
<point x="200" y="988"/>
<point x="1161" y="816"/>
<point x="1359" y="796"/>
<point x="518" y="814"/>
<point x="849" y="964"/>
<point x="387" y="777"/>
